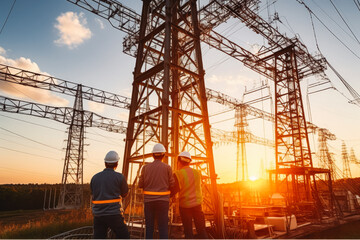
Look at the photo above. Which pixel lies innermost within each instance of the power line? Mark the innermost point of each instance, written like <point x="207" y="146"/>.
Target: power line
<point x="311" y="12"/>
<point x="29" y="139"/>
<point x="20" y="144"/>
<point x="345" y="21"/>
<point x="357" y="3"/>
<point x="333" y="20"/>
<point x="36" y="155"/>
<point x="7" y="16"/>
<point x="26" y="171"/>
<point x="36" y="124"/>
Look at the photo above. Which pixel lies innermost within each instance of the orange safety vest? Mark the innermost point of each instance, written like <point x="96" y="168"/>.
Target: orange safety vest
<point x="190" y="187"/>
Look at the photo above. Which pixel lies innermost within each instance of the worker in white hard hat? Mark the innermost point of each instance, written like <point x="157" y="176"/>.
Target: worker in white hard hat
<point x="188" y="184"/>
<point x="156" y="180"/>
<point x="107" y="189"/>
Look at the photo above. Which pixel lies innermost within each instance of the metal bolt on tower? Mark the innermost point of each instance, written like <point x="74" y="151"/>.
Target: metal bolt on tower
<point x="168" y="103"/>
<point x="71" y="193"/>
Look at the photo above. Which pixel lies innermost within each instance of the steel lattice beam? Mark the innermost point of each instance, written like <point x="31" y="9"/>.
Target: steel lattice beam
<point x="61" y="114"/>
<point x="41" y="81"/>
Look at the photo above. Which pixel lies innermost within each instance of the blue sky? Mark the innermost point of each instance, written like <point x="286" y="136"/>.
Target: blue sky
<point x="56" y="37"/>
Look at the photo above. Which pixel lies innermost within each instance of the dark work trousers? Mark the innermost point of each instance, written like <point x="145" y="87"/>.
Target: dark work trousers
<point x="114" y="222"/>
<point x="156" y="210"/>
<point x="196" y="213"/>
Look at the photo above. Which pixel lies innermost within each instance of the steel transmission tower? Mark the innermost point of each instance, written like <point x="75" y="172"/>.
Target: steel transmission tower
<point x="346" y="162"/>
<point x="168" y="102"/>
<point x="293" y="154"/>
<point x="325" y="157"/>
<point x="71" y="193"/>
<point x="240" y="124"/>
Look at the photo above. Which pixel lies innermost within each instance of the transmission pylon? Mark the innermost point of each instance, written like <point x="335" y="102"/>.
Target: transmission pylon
<point x="169" y="74"/>
<point x="346" y="162"/>
<point x="353" y="158"/>
<point x="71" y="193"/>
<point x="240" y="124"/>
<point x="325" y="158"/>
<point x="292" y="148"/>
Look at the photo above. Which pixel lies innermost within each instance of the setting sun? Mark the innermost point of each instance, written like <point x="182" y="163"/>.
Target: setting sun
<point x="253" y="178"/>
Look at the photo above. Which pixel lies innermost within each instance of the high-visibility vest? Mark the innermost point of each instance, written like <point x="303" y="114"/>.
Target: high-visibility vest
<point x="190" y="187"/>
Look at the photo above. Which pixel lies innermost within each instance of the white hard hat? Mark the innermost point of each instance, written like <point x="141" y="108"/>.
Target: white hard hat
<point x="158" y="148"/>
<point x="186" y="156"/>
<point x="111" y="157"/>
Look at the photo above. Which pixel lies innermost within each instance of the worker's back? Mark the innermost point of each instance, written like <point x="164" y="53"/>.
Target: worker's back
<point x="107" y="185"/>
<point x="156" y="179"/>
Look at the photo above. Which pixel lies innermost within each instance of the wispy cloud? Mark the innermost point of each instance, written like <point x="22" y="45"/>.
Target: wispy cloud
<point x="123" y="116"/>
<point x="101" y="24"/>
<point x="96" y="107"/>
<point x="38" y="95"/>
<point x="2" y="51"/>
<point x="72" y="29"/>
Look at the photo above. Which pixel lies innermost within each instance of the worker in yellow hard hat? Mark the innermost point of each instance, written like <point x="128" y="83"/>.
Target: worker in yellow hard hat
<point x="156" y="180"/>
<point x="188" y="184"/>
<point x="107" y="189"/>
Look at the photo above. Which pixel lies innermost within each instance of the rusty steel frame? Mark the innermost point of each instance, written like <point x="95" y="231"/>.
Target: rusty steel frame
<point x="169" y="95"/>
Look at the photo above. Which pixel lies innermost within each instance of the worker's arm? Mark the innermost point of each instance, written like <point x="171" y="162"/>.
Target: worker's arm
<point x="124" y="187"/>
<point x="175" y="188"/>
<point x="141" y="178"/>
<point x="171" y="178"/>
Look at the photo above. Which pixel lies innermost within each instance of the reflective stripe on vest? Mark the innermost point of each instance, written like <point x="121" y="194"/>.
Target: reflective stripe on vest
<point x="106" y="201"/>
<point x="157" y="193"/>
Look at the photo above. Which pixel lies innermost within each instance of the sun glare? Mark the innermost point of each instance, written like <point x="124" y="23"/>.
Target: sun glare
<point x="253" y="178"/>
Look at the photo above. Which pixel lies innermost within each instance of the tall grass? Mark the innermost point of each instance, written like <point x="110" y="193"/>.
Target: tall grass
<point x="49" y="224"/>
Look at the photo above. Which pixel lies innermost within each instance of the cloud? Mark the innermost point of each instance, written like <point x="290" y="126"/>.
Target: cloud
<point x="96" y="107"/>
<point x="2" y="51"/>
<point x="24" y="92"/>
<point x="72" y="29"/>
<point x="101" y="24"/>
<point x="229" y="80"/>
<point x="123" y="116"/>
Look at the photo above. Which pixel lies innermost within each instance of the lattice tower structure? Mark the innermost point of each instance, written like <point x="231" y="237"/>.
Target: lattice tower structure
<point x="71" y="193"/>
<point x="325" y="158"/>
<point x="292" y="148"/>
<point x="240" y="125"/>
<point x="173" y="83"/>
<point x="353" y="158"/>
<point x="346" y="162"/>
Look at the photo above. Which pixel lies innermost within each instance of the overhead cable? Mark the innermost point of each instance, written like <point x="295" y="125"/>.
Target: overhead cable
<point x="311" y="12"/>
<point x="7" y="16"/>
<point x="333" y="20"/>
<point x="345" y="21"/>
<point x="29" y="139"/>
<point x="357" y="3"/>
<point x="352" y="91"/>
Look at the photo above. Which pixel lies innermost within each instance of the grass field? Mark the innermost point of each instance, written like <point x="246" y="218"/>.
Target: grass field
<point x="41" y="224"/>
